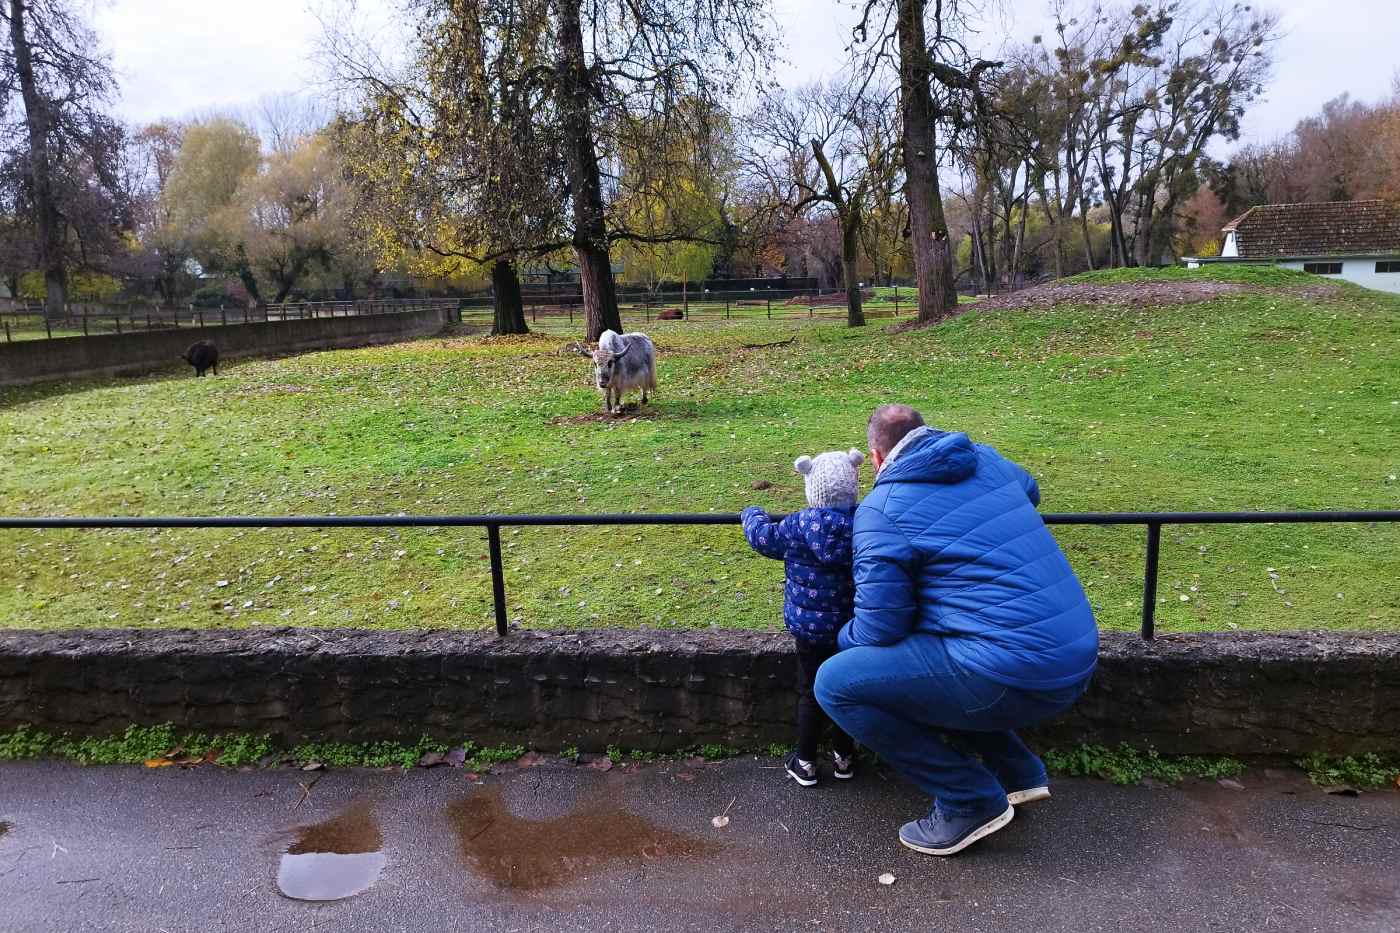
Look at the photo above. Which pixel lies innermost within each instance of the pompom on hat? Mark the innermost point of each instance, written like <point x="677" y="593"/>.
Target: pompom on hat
<point x="832" y="478"/>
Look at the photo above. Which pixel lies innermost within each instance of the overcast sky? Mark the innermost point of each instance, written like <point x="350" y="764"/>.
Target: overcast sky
<point x="175" y="57"/>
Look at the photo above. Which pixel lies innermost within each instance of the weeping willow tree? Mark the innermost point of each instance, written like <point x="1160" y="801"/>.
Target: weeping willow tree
<point x="456" y="151"/>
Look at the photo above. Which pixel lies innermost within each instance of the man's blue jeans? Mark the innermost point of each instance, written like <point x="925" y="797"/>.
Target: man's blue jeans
<point x="916" y="708"/>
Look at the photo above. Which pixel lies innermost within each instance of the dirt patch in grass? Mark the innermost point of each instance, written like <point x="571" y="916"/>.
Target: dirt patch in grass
<point x="630" y="413"/>
<point x="273" y="389"/>
<point x="1135" y="294"/>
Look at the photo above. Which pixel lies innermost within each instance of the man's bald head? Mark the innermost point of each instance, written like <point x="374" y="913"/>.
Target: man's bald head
<point x="888" y="426"/>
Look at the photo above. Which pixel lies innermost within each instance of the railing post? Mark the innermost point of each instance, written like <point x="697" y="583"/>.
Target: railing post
<point x="498" y="578"/>
<point x="1149" y="581"/>
<point x="48" y="327"/>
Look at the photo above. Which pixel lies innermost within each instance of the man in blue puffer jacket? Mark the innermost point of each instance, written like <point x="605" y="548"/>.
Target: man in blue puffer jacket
<point x="968" y="623"/>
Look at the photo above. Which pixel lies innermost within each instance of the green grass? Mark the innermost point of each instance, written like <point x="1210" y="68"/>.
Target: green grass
<point x="1127" y="765"/>
<point x="1266" y="399"/>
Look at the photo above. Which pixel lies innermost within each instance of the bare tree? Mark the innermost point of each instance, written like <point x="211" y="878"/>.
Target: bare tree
<point x="824" y="147"/>
<point x="71" y="143"/>
<point x="940" y="81"/>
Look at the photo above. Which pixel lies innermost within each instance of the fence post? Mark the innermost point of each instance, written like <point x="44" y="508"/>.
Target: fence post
<point x="498" y="578"/>
<point x="7" y="331"/>
<point x="770" y="307"/>
<point x="201" y="317"/>
<point x="726" y="309"/>
<point x="1149" y="581"/>
<point x="48" y="328"/>
<point x="118" y="319"/>
<point x="223" y="316"/>
<point x="85" y="329"/>
<point x="148" y="321"/>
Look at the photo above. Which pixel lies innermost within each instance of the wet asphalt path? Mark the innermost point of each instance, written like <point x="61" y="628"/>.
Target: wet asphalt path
<point x="130" y="849"/>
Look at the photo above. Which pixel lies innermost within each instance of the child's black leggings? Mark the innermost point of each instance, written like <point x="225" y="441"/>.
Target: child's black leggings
<point x="811" y="718"/>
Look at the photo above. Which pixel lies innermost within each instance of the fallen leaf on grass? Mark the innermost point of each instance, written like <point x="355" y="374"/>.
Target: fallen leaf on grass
<point x="1229" y="784"/>
<point x="313" y="766"/>
<point x="159" y="762"/>
<point x="887" y="878"/>
<point x="431" y="759"/>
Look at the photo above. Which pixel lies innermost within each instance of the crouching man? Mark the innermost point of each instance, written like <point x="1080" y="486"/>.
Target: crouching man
<point x="969" y="623"/>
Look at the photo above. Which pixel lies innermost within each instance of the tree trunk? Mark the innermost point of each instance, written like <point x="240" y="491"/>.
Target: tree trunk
<point x="933" y="260"/>
<point x="48" y="221"/>
<point x="1143" y="231"/>
<point x="1088" y="239"/>
<point x="506" y="300"/>
<point x="590" y="229"/>
<point x="850" y="262"/>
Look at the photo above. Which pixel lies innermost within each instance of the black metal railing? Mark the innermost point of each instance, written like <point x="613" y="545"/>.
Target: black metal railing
<point x="494" y="523"/>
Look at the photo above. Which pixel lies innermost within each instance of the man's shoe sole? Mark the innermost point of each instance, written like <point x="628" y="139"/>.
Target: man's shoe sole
<point x="1029" y="795"/>
<point x="981" y="832"/>
<point x="843" y="776"/>
<point x="801" y="778"/>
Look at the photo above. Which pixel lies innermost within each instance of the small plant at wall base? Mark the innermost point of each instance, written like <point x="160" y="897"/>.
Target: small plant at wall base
<point x="1361" y="771"/>
<point x="1128" y="765"/>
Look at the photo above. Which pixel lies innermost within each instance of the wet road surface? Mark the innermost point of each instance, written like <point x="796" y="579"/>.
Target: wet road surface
<point x="559" y="847"/>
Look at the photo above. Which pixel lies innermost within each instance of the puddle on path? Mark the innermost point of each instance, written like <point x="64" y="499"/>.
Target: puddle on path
<point x="334" y="859"/>
<point x="528" y="855"/>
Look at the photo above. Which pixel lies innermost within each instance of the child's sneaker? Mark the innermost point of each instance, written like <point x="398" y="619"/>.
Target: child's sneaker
<point x="803" y="772"/>
<point x="843" y="768"/>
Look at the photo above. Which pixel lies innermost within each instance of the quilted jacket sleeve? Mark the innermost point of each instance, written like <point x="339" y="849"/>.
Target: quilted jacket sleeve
<point x="1027" y="482"/>
<point x="1024" y="478"/>
<point x="885" y="563"/>
<point x="764" y="535"/>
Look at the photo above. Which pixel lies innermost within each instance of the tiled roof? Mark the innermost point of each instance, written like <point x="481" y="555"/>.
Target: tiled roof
<point x="1342" y="228"/>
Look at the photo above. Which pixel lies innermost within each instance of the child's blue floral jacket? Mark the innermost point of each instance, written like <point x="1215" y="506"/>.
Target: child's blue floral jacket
<point x="815" y="546"/>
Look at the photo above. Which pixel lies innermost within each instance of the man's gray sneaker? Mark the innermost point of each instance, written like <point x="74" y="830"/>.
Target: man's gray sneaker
<point x="1030" y="795"/>
<point x="937" y="834"/>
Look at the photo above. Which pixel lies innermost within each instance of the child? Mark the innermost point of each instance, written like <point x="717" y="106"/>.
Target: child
<point x="819" y="598"/>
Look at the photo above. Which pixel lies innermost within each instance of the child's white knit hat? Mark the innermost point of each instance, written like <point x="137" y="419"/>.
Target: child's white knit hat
<point x="832" y="478"/>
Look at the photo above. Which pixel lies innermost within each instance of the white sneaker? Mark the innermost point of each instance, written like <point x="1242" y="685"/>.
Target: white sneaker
<point x="1030" y="795"/>
<point x="843" y="769"/>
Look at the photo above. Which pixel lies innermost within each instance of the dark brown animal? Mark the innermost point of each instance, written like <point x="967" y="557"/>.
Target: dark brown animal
<point x="202" y="356"/>
<point x="670" y="314"/>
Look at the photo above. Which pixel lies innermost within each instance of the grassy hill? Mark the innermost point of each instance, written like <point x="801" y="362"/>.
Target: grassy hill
<point x="1277" y="391"/>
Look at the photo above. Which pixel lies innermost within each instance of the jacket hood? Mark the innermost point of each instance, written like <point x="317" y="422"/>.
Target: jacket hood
<point x="932" y="456"/>
<point x="827" y="533"/>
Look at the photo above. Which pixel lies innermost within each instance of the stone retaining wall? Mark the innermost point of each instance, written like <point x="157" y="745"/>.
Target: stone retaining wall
<point x="29" y="361"/>
<point x="1231" y="693"/>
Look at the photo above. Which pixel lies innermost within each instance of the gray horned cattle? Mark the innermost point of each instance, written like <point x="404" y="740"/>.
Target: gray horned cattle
<point x="622" y="362"/>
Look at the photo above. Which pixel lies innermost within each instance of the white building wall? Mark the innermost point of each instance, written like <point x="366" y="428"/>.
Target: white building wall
<point x="1361" y="272"/>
